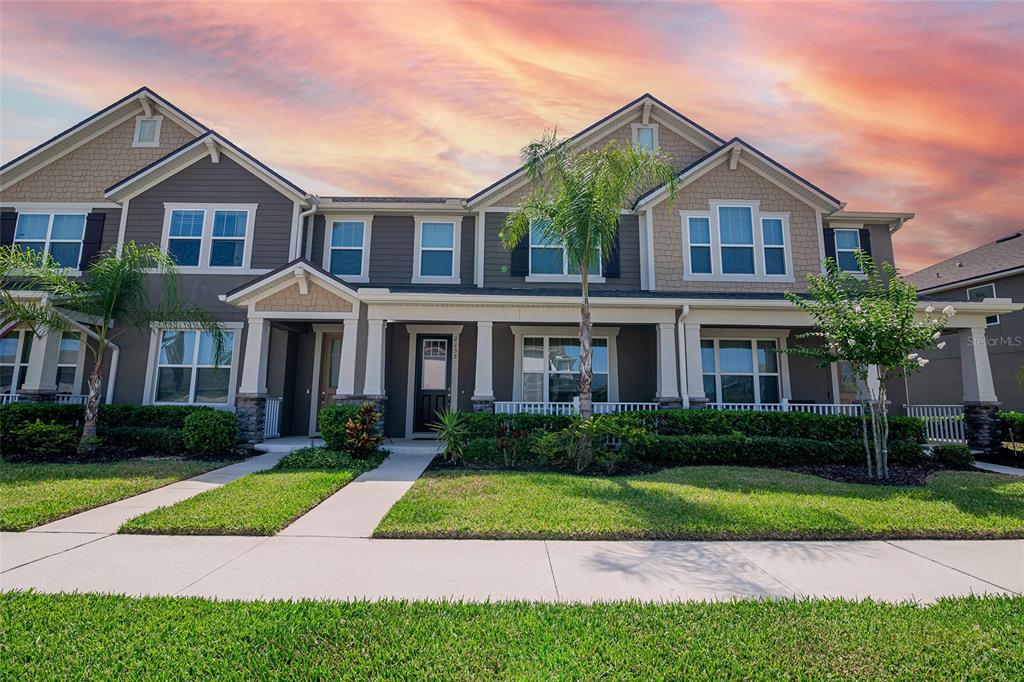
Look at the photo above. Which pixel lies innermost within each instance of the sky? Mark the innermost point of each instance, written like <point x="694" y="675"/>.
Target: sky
<point x="890" y="106"/>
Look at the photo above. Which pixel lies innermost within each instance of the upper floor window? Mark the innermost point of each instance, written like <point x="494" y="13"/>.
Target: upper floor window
<point x="980" y="293"/>
<point x="736" y="236"/>
<point x="645" y="136"/>
<point x="548" y="256"/>
<point x="214" y="236"/>
<point x="147" y="131"/>
<point x="58" y="234"/>
<point x="437" y="251"/>
<point x="847" y="246"/>
<point x="774" y="241"/>
<point x="189" y="370"/>
<point x="735" y="241"/>
<point x="700" y="244"/>
<point x="347" y="249"/>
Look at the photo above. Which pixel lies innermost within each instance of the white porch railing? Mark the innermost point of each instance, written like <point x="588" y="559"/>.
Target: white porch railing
<point x="942" y="423"/>
<point x="62" y="398"/>
<point x="272" y="425"/>
<point x="8" y="398"/>
<point x="848" y="409"/>
<point x="518" y="407"/>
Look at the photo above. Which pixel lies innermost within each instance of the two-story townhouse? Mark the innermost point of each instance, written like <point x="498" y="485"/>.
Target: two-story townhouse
<point x="413" y="303"/>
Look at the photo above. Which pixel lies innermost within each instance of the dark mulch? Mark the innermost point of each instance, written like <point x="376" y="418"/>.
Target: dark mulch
<point x="844" y="473"/>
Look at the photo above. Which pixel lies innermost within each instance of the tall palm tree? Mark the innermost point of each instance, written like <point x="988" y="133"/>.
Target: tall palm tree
<point x="115" y="287"/>
<point x="576" y="199"/>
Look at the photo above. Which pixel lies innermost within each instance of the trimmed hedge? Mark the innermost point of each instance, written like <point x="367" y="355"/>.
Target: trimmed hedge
<point x="486" y="424"/>
<point x="333" y="420"/>
<point x="36" y="440"/>
<point x="1015" y="421"/>
<point x="953" y="456"/>
<point x="149" y="416"/>
<point x="158" y="440"/>
<point x="210" y="432"/>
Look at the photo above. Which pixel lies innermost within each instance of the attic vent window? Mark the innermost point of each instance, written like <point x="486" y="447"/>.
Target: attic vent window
<point x="147" y="131"/>
<point x="645" y="136"/>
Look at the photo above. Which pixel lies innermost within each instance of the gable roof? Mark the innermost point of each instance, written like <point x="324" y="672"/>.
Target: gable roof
<point x="87" y="129"/>
<point x="996" y="259"/>
<point x="298" y="269"/>
<point x="209" y="143"/>
<point x="708" y="139"/>
<point x="753" y="158"/>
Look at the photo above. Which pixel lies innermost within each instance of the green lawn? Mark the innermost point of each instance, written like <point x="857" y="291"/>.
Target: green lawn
<point x="93" y="637"/>
<point x="34" y="494"/>
<point x="259" y="504"/>
<point x="703" y="503"/>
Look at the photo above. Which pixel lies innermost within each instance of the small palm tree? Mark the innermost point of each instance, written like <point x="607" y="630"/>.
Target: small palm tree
<point x="576" y="201"/>
<point x="115" y="287"/>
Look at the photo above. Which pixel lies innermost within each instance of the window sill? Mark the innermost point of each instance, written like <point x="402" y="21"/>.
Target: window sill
<point x="145" y="144"/>
<point x="215" y="270"/>
<point x="436" y="280"/>
<point x="738" y="278"/>
<point x="573" y="279"/>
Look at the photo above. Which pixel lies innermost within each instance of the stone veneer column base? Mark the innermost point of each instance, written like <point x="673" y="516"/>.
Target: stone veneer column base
<point x="669" y="403"/>
<point x="251" y="411"/>
<point x="483" y="404"/>
<point x="30" y="396"/>
<point x="379" y="403"/>
<point x="698" y="403"/>
<point x="983" y="426"/>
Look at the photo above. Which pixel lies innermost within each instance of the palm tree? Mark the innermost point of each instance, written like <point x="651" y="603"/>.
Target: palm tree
<point x="115" y="287"/>
<point x="576" y="199"/>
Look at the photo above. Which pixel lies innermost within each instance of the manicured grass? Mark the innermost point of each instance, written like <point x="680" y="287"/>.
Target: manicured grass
<point x="259" y="504"/>
<point x="703" y="503"/>
<point x="92" y="637"/>
<point x="33" y="494"/>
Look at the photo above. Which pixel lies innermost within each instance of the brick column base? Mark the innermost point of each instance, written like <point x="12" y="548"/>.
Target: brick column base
<point x="983" y="427"/>
<point x="251" y="411"/>
<point x="483" y="404"/>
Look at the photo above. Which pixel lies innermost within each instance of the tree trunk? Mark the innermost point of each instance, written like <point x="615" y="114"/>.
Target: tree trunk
<point x="883" y="429"/>
<point x="89" y="441"/>
<point x="586" y="373"/>
<point x="865" y="406"/>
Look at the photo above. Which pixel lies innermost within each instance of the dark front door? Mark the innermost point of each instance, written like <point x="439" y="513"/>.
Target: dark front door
<point x="433" y="379"/>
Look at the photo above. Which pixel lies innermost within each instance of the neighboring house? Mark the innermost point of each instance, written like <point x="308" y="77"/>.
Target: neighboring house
<point x="995" y="270"/>
<point x="413" y="303"/>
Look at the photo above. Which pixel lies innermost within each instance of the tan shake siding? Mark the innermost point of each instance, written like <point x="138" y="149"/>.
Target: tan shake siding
<point x="318" y="300"/>
<point x="740" y="184"/>
<point x="84" y="173"/>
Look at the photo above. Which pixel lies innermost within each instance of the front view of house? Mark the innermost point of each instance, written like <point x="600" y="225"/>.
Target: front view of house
<point x="413" y="303"/>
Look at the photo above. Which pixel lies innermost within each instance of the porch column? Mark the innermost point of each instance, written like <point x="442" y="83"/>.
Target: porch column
<point x="41" y="373"/>
<point x="347" y="369"/>
<point x="373" y="387"/>
<point x="982" y="424"/>
<point x="668" y="380"/>
<point x="681" y="354"/>
<point x="251" y="401"/>
<point x="694" y="368"/>
<point x="483" y="388"/>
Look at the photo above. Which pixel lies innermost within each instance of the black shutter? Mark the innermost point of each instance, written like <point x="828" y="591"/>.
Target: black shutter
<point x="8" y="219"/>
<point x="830" y="242"/>
<point x="865" y="241"/>
<point x="611" y="263"/>
<point x="93" y="237"/>
<point x="520" y="259"/>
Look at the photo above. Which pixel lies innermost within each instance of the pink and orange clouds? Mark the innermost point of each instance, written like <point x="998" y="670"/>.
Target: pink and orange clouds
<point x="889" y="106"/>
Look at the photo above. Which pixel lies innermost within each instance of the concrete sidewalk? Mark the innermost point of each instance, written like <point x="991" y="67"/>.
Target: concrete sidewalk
<point x="292" y="567"/>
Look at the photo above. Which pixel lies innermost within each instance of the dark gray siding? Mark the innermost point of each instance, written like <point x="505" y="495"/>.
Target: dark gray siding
<point x="502" y="360"/>
<point x="881" y="244"/>
<point x="396" y="378"/>
<point x="467" y="367"/>
<point x="111" y="225"/>
<point x="497" y="259"/>
<point x="225" y="182"/>
<point x="317" y="250"/>
<point x="466" y="247"/>
<point x="392" y="244"/>
<point x="637" y="369"/>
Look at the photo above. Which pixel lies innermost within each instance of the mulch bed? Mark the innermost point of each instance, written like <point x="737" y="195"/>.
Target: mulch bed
<point x="844" y="473"/>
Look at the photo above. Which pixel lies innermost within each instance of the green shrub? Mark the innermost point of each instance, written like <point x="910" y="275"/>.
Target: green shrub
<point x="450" y="428"/>
<point x="324" y="458"/>
<point x="39" y="441"/>
<point x="737" y="449"/>
<point x="148" y="416"/>
<point x="158" y="441"/>
<point x="952" y="455"/>
<point x="1015" y="421"/>
<point x="362" y="433"/>
<point x="486" y="425"/>
<point x="332" y="420"/>
<point x="483" y="452"/>
<point x="210" y="431"/>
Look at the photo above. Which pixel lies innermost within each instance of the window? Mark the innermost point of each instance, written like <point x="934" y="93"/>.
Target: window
<point x="847" y="245"/>
<point x="68" y="378"/>
<point x="736" y="236"/>
<point x="58" y="234"/>
<point x="189" y="369"/>
<point x="645" y="136"/>
<point x="740" y="370"/>
<point x="551" y="369"/>
<point x="15" y="349"/>
<point x="980" y="294"/>
<point x="346" y="248"/>
<point x="548" y="256"/>
<point x="217" y="237"/>
<point x="700" y="244"/>
<point x="437" y="249"/>
<point x="773" y="239"/>
<point x="147" y="131"/>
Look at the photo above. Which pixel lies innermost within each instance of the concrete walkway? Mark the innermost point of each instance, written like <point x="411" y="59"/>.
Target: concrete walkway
<point x="1000" y="469"/>
<point x="109" y="517"/>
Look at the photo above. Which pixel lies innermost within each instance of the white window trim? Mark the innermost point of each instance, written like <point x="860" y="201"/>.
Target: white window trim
<point x="751" y="336"/>
<point x="17" y="365"/>
<point x="984" y="286"/>
<point x="207" y="236"/>
<point x="52" y="211"/>
<point x="367" y="221"/>
<point x="609" y="333"/>
<point x="786" y="250"/>
<point x="456" y="277"/>
<point x="716" y="246"/>
<point x="153" y="364"/>
<point x="635" y="128"/>
<point x="138" y="131"/>
<point x="565" y="276"/>
<point x="835" y="241"/>
<point x="79" y="363"/>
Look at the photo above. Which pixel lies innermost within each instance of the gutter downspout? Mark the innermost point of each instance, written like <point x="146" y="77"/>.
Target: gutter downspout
<point x="314" y="201"/>
<point x="115" y="356"/>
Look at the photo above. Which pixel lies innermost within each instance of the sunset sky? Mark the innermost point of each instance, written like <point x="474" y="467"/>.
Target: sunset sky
<point x="890" y="106"/>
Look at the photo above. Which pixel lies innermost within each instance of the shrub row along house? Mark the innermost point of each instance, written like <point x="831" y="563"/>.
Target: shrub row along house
<point x="413" y="303"/>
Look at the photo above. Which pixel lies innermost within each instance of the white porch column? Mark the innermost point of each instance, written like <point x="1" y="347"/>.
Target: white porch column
<point x="374" y="384"/>
<point x="668" y="380"/>
<point x="681" y="348"/>
<point x="483" y="388"/>
<point x="694" y="368"/>
<point x="254" y="368"/>
<point x="41" y="372"/>
<point x="347" y="369"/>
<point x="975" y="367"/>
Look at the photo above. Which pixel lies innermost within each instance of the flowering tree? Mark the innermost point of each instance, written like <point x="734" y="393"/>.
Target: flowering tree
<point x="871" y="323"/>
